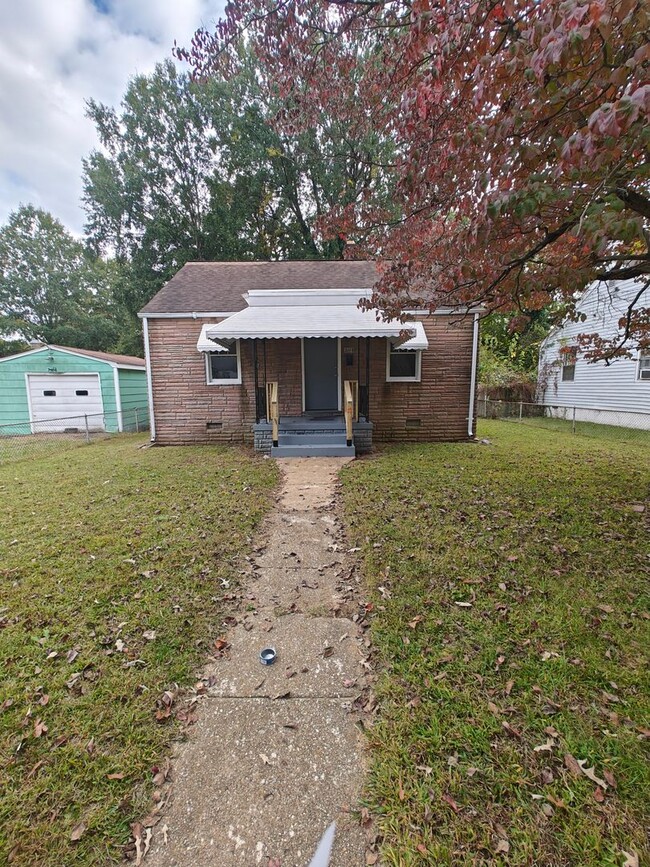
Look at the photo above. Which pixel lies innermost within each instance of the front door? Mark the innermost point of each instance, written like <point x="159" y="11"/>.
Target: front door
<point x="321" y="360"/>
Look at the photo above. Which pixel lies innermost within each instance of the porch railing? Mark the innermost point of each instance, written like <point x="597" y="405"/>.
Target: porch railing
<point x="273" y="409"/>
<point x="350" y="392"/>
<point x="364" y="402"/>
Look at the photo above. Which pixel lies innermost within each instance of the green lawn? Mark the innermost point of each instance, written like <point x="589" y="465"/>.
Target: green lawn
<point x="114" y="563"/>
<point x="508" y="585"/>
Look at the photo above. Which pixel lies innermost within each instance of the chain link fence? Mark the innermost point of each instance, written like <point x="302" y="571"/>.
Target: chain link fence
<point x="34" y="439"/>
<point x="586" y="421"/>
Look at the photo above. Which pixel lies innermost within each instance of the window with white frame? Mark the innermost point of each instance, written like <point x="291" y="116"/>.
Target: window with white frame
<point x="568" y="354"/>
<point x="644" y="364"/>
<point x="224" y="368"/>
<point x="403" y="365"/>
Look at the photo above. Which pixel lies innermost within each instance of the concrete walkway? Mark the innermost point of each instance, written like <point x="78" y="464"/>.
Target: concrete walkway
<point x="275" y="755"/>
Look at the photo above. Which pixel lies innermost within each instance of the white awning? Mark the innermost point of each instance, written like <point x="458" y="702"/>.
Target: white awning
<point x="306" y="321"/>
<point x="204" y="344"/>
<point x="419" y="341"/>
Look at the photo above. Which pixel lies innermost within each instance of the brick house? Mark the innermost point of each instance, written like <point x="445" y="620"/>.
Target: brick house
<point x="279" y="355"/>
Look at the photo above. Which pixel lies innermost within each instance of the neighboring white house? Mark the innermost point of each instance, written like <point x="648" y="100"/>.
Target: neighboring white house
<point x="618" y="393"/>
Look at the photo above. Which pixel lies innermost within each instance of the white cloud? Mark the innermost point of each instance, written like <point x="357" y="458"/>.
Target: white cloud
<point x="53" y="57"/>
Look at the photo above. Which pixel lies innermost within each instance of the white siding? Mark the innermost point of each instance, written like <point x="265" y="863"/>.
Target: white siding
<point x="614" y="387"/>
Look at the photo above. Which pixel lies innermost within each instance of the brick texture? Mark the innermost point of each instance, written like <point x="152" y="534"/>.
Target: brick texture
<point x="435" y="409"/>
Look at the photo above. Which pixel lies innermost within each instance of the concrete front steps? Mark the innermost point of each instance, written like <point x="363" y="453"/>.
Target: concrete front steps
<point x="312" y="437"/>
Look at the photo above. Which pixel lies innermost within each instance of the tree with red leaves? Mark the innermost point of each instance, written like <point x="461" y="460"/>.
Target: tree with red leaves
<point x="520" y="132"/>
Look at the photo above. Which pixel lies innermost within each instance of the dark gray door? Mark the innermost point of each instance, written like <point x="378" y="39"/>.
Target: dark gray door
<point x="321" y="373"/>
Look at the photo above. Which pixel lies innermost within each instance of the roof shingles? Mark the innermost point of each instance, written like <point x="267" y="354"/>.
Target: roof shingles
<point x="219" y="287"/>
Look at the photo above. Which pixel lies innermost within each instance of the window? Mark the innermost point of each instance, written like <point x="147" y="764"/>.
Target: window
<point x="49" y="393"/>
<point x="224" y="368"/>
<point x="644" y="364"/>
<point x="82" y="392"/>
<point x="568" y="355"/>
<point x="403" y="365"/>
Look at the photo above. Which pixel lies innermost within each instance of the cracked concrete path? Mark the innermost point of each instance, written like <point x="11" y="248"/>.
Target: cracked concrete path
<point x="276" y="754"/>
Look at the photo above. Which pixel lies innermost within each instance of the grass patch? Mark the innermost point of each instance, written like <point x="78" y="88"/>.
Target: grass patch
<point x="114" y="563"/>
<point x="509" y="584"/>
<point x="608" y="432"/>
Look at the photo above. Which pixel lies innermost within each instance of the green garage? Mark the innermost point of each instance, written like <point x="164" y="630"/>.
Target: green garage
<point x="54" y="389"/>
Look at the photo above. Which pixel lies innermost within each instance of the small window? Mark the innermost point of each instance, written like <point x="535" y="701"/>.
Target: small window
<point x="403" y="365"/>
<point x="224" y="367"/>
<point x="644" y="364"/>
<point x="82" y="392"/>
<point x="49" y="393"/>
<point x="568" y="354"/>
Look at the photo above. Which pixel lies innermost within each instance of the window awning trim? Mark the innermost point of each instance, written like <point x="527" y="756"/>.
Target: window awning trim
<point x="206" y="344"/>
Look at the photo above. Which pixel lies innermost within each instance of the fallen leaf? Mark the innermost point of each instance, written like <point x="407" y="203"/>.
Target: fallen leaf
<point x="509" y="686"/>
<point x="599" y="795"/>
<point x="401" y="792"/>
<point x="78" y="831"/>
<point x="609" y="776"/>
<point x="547" y="747"/>
<point x="631" y="859"/>
<point x="39" y="728"/>
<point x="165" y="831"/>
<point x="503" y="847"/>
<point x="327" y="651"/>
<point x="589" y="773"/>
<point x="118" y="776"/>
<point x="510" y="730"/>
<point x="149" y="634"/>
<point x="71" y="655"/>
<point x="265" y="759"/>
<point x="422" y="849"/>
<point x="119" y="645"/>
<point x="449" y="800"/>
<point x="371" y="858"/>
<point x="571" y="765"/>
<point x="463" y="604"/>
<point x="43" y="700"/>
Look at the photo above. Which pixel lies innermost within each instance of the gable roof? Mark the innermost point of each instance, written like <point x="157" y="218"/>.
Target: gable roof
<point x="110" y="357"/>
<point x="219" y="287"/>
<point x="131" y="360"/>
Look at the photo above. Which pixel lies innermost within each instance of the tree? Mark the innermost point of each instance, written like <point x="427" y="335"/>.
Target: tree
<point x="50" y="289"/>
<point x="12" y="347"/>
<point x="520" y="129"/>
<point x="198" y="171"/>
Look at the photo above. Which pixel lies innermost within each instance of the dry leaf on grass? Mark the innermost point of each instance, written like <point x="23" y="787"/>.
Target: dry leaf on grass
<point x="631" y="859"/>
<point x="78" y="831"/>
<point x="577" y="767"/>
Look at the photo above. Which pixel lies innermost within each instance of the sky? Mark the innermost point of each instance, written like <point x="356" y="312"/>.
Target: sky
<point x="56" y="54"/>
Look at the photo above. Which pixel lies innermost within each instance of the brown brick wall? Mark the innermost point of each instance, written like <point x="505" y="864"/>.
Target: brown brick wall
<point x="184" y="403"/>
<point x="439" y="401"/>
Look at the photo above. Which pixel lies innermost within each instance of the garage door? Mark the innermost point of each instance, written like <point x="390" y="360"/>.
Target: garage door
<point x="61" y="402"/>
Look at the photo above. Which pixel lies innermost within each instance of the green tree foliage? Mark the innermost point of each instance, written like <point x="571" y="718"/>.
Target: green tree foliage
<point x="10" y="346"/>
<point x="50" y="289"/>
<point x="198" y="171"/>
<point x="508" y="358"/>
